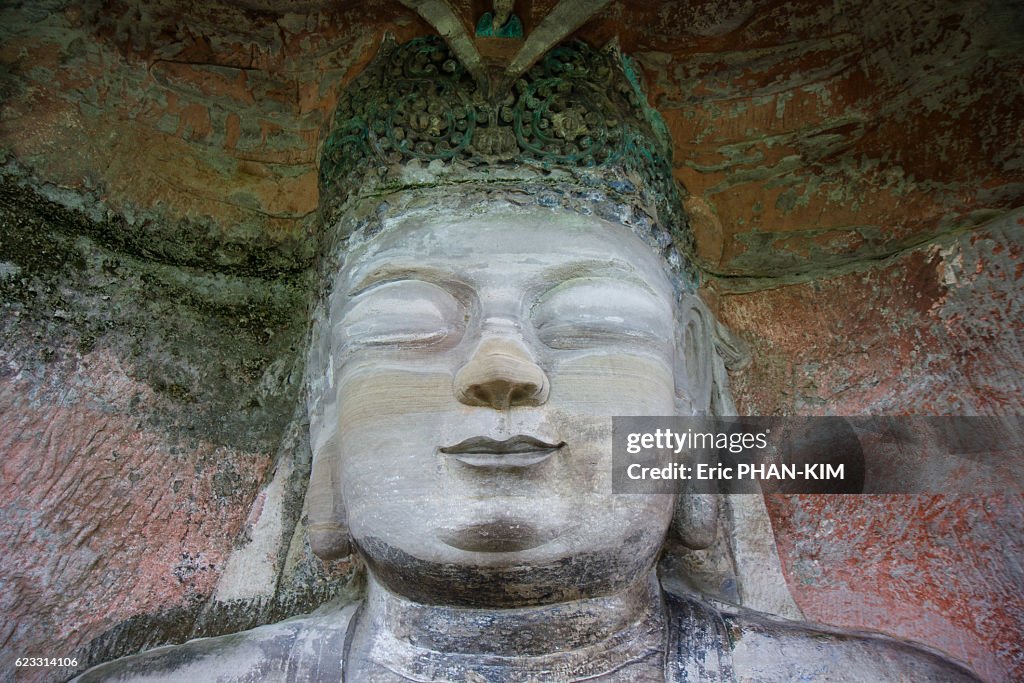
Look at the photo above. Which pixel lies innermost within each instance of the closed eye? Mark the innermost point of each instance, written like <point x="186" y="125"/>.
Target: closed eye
<point x="409" y="313"/>
<point x="586" y="312"/>
<point x="585" y="331"/>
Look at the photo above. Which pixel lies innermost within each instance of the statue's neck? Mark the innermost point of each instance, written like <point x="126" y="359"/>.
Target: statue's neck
<point x="563" y="641"/>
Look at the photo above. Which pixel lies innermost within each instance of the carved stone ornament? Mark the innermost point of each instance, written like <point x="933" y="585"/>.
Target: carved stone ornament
<point x="416" y="117"/>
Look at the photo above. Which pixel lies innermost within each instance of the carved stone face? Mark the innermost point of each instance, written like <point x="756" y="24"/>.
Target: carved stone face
<point x="478" y="362"/>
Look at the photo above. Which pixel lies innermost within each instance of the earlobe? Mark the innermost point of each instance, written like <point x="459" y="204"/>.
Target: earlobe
<point x="695" y="519"/>
<point x="327" y="519"/>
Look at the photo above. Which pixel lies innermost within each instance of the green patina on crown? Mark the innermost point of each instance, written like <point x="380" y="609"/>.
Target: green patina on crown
<point x="575" y="131"/>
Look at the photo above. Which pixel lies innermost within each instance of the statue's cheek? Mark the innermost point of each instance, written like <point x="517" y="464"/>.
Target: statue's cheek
<point x="608" y="383"/>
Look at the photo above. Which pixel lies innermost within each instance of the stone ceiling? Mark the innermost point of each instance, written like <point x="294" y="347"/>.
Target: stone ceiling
<point x="811" y="135"/>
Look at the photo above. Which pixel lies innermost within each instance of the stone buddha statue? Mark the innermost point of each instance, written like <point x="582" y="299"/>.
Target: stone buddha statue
<point x="485" y="314"/>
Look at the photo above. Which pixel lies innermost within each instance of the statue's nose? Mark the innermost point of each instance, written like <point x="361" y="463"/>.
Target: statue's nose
<point x="500" y="374"/>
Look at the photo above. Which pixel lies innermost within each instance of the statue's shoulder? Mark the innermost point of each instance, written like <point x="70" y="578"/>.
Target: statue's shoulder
<point x="766" y="648"/>
<point x="306" y="648"/>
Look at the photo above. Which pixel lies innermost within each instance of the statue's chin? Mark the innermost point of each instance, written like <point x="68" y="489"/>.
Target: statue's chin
<point x="507" y="563"/>
<point x="498" y="536"/>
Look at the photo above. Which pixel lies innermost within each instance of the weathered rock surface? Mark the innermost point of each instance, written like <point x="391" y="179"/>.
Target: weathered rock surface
<point x="853" y="170"/>
<point x="933" y="331"/>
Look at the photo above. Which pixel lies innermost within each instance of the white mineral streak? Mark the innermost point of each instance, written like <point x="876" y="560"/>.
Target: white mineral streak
<point x="758" y="570"/>
<point x="251" y="571"/>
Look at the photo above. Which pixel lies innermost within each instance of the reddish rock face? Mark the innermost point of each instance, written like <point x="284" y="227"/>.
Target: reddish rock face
<point x="931" y="569"/>
<point x="852" y="170"/>
<point x="934" y="331"/>
<point x="105" y="518"/>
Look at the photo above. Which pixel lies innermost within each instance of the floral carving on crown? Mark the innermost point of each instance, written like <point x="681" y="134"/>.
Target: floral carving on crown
<point x="578" y="113"/>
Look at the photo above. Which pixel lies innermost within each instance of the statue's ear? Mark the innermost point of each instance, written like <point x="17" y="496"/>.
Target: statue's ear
<point x="695" y="519"/>
<point x="325" y="509"/>
<point x="327" y="523"/>
<point x="695" y="350"/>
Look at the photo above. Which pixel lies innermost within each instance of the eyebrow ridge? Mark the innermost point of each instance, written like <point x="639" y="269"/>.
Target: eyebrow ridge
<point x="565" y="272"/>
<point x="398" y="272"/>
<point x="588" y="268"/>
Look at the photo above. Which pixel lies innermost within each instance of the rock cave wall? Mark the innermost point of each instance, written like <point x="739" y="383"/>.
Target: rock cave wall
<point x="856" y="178"/>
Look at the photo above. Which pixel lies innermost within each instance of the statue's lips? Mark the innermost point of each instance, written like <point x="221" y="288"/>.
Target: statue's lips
<point x="517" y="451"/>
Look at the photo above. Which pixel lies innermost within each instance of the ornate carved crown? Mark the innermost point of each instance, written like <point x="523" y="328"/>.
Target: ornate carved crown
<point x="577" y="121"/>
